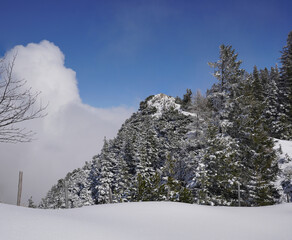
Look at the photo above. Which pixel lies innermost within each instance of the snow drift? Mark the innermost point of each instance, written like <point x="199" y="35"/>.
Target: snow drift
<point x="147" y="220"/>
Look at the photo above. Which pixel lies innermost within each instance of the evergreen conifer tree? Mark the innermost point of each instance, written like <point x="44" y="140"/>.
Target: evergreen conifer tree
<point x="229" y="74"/>
<point x="272" y="106"/>
<point x="31" y="203"/>
<point x="187" y="100"/>
<point x="258" y="167"/>
<point x="285" y="87"/>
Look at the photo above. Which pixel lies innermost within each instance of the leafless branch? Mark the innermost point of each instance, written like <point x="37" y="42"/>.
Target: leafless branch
<point x="17" y="104"/>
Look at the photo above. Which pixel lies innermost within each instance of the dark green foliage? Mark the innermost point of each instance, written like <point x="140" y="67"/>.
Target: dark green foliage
<point x="258" y="84"/>
<point x="220" y="170"/>
<point x="149" y="189"/>
<point x="187" y="100"/>
<point x="240" y="150"/>
<point x="31" y="203"/>
<point x="285" y="88"/>
<point x="185" y="195"/>
<point x="195" y="149"/>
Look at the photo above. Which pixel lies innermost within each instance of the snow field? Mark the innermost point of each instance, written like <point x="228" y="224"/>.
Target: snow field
<point x="147" y="220"/>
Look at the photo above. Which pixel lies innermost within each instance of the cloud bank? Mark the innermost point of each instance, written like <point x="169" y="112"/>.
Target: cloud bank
<point x="69" y="135"/>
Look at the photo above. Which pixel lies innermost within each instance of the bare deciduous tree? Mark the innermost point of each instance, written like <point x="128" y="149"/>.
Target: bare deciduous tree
<point x="17" y="104"/>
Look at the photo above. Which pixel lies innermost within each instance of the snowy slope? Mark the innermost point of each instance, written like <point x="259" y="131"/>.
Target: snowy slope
<point x="286" y="147"/>
<point x="147" y="220"/>
<point x="285" y="161"/>
<point x="285" y="164"/>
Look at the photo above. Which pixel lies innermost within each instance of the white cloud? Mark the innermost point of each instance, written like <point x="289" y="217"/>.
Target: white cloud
<point x="69" y="135"/>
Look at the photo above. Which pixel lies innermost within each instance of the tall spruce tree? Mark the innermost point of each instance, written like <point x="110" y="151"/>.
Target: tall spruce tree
<point x="187" y="100"/>
<point x="285" y="87"/>
<point x="258" y="84"/>
<point x="250" y="157"/>
<point x="221" y="160"/>
<point x="258" y="167"/>
<point x="229" y="74"/>
<point x="217" y="174"/>
<point x="272" y="106"/>
<point x="106" y="173"/>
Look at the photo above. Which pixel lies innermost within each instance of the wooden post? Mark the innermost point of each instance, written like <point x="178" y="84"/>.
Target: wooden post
<point x="110" y="195"/>
<point x="168" y="193"/>
<point x="66" y="194"/>
<point x="238" y="186"/>
<point x="19" y="188"/>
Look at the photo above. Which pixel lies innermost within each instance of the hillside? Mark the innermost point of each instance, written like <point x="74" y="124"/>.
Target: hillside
<point x="198" y="149"/>
<point x="151" y="143"/>
<point x="157" y="155"/>
<point x="155" y="221"/>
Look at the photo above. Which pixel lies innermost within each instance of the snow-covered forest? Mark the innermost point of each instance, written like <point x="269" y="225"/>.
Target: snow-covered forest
<point x="219" y="148"/>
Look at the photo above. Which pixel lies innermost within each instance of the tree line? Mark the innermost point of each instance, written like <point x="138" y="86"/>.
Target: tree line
<point x="199" y="152"/>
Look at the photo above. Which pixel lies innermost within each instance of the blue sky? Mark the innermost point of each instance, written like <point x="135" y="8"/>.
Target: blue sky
<point x="123" y="51"/>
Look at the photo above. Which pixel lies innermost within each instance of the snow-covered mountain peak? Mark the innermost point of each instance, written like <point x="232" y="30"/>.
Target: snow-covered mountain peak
<point x="162" y="103"/>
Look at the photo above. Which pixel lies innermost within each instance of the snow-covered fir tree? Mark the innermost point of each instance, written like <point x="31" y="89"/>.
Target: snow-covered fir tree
<point x="135" y="160"/>
<point x="285" y="88"/>
<point x="196" y="149"/>
<point x="237" y="142"/>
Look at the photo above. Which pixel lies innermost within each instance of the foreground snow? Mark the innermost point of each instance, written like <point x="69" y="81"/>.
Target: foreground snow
<point x="147" y="220"/>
